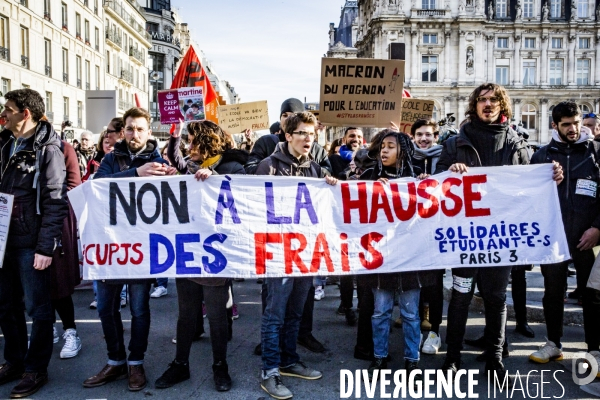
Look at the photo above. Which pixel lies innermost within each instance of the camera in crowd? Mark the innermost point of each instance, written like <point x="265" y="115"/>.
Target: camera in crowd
<point x="67" y="124"/>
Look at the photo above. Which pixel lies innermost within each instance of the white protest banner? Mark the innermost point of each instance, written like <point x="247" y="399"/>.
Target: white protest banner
<point x="247" y="226"/>
<point x="236" y="118"/>
<point x="361" y="92"/>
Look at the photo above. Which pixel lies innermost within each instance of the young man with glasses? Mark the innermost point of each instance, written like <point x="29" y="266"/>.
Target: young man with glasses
<point x="485" y="140"/>
<point x="592" y="122"/>
<point x="136" y="156"/>
<point x="286" y="296"/>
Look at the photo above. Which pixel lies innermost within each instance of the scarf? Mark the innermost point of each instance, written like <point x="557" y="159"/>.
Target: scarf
<point x="433" y="152"/>
<point x="488" y="139"/>
<point x="586" y="134"/>
<point x="193" y="166"/>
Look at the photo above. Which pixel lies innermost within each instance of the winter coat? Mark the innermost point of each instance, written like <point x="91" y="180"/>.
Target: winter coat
<point x="36" y="176"/>
<point x="84" y="157"/>
<point x="578" y="192"/>
<point x="338" y="165"/>
<point x="282" y="163"/>
<point x="266" y="145"/>
<point x="64" y="270"/>
<point x="459" y="149"/>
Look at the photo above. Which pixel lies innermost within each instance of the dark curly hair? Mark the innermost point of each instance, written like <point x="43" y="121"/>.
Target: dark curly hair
<point x="209" y="140"/>
<point x="28" y="99"/>
<point x="499" y="91"/>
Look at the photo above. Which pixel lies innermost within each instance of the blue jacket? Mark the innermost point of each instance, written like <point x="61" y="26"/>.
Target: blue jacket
<point x="111" y="168"/>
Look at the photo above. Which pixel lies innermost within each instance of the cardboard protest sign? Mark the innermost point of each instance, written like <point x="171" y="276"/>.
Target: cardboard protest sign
<point x="273" y="226"/>
<point x="361" y="92"/>
<point x="236" y="118"/>
<point x="413" y="110"/>
<point x="183" y="103"/>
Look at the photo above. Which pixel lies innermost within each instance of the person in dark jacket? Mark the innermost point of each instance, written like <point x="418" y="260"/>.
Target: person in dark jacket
<point x="352" y="142"/>
<point x="486" y="139"/>
<point x="136" y="156"/>
<point x="572" y="146"/>
<point x="265" y="145"/>
<point x="211" y="153"/>
<point x="394" y="160"/>
<point x="33" y="170"/>
<point x="286" y="297"/>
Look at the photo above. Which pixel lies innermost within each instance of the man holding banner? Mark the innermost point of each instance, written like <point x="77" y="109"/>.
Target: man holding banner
<point x="487" y="140"/>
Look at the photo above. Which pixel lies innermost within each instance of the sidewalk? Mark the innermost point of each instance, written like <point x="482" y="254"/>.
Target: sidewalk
<point x="535" y="293"/>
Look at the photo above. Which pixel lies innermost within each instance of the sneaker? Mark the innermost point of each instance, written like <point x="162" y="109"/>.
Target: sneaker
<point x="299" y="370"/>
<point x="54" y="334"/>
<point x="451" y="365"/>
<point x="159" y="291"/>
<point x="93" y="306"/>
<point x="235" y="312"/>
<point x="376" y="364"/>
<point x="275" y="387"/>
<point x="319" y="293"/>
<point x="203" y="310"/>
<point x="547" y="352"/>
<point x="72" y="344"/>
<point x="123" y="302"/>
<point x="311" y="343"/>
<point x="432" y="344"/>
<point x="341" y="310"/>
<point x="221" y="376"/>
<point x="176" y="373"/>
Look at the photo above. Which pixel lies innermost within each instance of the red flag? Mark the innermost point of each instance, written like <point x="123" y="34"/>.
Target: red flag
<point x="191" y="73"/>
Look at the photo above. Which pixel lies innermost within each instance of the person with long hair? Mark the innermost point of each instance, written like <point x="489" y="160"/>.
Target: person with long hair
<point x="211" y="153"/>
<point x="104" y="146"/>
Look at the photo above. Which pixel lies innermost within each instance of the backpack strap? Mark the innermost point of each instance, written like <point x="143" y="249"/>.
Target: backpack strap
<point x="122" y="164"/>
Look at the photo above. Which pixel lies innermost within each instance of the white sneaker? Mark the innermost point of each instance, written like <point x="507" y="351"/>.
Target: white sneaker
<point x="123" y="302"/>
<point x="432" y="344"/>
<point x="94" y="305"/>
<point x="319" y="293"/>
<point x="546" y="353"/>
<point x="159" y="291"/>
<point x="72" y="344"/>
<point x="55" y="334"/>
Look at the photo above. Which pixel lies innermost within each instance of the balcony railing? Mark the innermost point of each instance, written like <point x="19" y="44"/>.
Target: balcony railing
<point x="431" y="13"/>
<point x="47" y="16"/>
<point x="124" y="105"/>
<point x="137" y="54"/>
<point x="48" y="70"/>
<point x="127" y="76"/>
<point x="50" y="116"/>
<point x="65" y="77"/>
<point x="128" y="18"/>
<point x="79" y="83"/>
<point x="4" y="53"/>
<point x="114" y="37"/>
<point x="25" y="62"/>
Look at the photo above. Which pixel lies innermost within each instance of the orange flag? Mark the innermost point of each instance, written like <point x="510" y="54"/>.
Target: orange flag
<point x="191" y="73"/>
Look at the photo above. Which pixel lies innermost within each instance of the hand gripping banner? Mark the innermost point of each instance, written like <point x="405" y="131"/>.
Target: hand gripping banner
<point x="250" y="226"/>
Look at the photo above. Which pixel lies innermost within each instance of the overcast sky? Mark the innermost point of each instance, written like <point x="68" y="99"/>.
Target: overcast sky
<point x="267" y="49"/>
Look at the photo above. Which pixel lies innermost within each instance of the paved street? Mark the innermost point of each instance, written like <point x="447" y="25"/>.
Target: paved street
<point x="66" y="376"/>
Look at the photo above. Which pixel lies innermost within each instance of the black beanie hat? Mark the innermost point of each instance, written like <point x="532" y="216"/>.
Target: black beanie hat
<point x="292" y="105"/>
<point x="276" y="127"/>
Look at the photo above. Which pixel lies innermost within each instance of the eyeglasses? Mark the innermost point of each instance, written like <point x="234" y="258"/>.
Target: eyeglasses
<point x="304" y="134"/>
<point x="492" y="100"/>
<point x="590" y="115"/>
<point x="129" y="130"/>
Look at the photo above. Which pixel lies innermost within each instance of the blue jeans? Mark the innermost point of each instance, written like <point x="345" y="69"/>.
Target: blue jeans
<point x="162" y="282"/>
<point x="411" y="323"/>
<point x="18" y="281"/>
<point x="109" y="296"/>
<point x="281" y="322"/>
<point x="123" y="291"/>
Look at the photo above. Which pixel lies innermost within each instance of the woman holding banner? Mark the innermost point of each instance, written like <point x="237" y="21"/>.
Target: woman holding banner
<point x="211" y="152"/>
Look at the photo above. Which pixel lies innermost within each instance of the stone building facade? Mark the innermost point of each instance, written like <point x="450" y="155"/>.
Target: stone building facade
<point x="542" y="51"/>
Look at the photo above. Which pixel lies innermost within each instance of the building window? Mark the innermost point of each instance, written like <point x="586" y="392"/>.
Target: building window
<point x="583" y="71"/>
<point x="97" y="77"/>
<point x="65" y="65"/>
<point x="582" y="8"/>
<point x="501" y="9"/>
<point x="4" y="38"/>
<point x="555" y="7"/>
<point x="79" y="114"/>
<point x="78" y="25"/>
<point x="65" y="108"/>
<point x="428" y="4"/>
<point x="47" y="13"/>
<point x="96" y="7"/>
<point x="528" y="9"/>
<point x="97" y="39"/>
<point x="502" y="43"/>
<point x="48" y="101"/>
<point x="87" y="75"/>
<point x="48" y="57"/>
<point x="556" y="71"/>
<point x="86" y="31"/>
<point x="584" y="109"/>
<point x="502" y="75"/>
<point x="529" y="72"/>
<point x="65" y="17"/>
<point x="5" y="83"/>
<point x="528" y="116"/>
<point x="24" y="47"/>
<point x="584" y="43"/>
<point x="429" y="68"/>
<point x="78" y="70"/>
<point x="152" y="27"/>
<point x="429" y="38"/>
<point x="557" y="43"/>
<point x="529" y="43"/>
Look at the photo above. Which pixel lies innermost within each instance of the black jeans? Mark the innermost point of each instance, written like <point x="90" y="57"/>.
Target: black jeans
<point x="492" y="283"/>
<point x="20" y="281"/>
<point x="519" y="293"/>
<point x="364" y="335"/>
<point x="346" y="290"/>
<point x="434" y="296"/>
<point x="306" y="324"/>
<point x="66" y="311"/>
<point x="189" y="297"/>
<point x="555" y="279"/>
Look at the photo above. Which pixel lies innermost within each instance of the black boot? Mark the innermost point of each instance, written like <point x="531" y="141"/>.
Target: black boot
<point x="177" y="372"/>
<point x="221" y="376"/>
<point x="525" y="330"/>
<point x="410" y="366"/>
